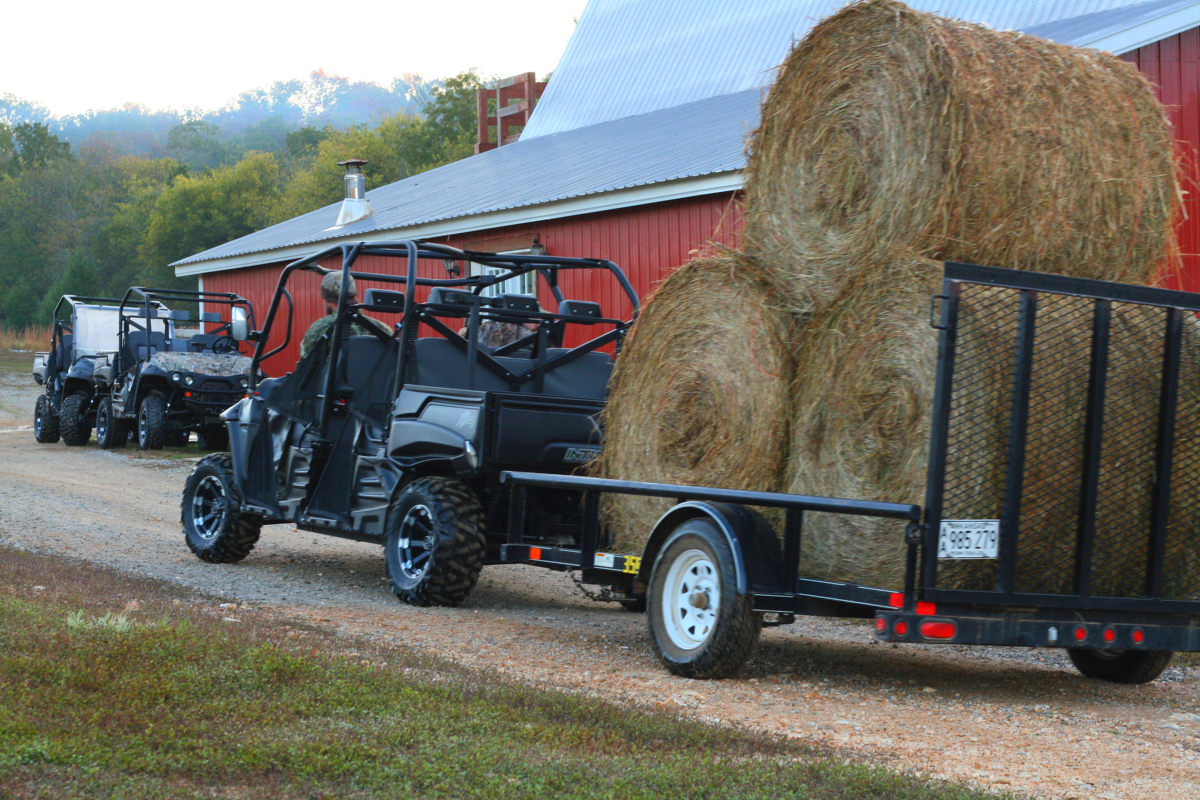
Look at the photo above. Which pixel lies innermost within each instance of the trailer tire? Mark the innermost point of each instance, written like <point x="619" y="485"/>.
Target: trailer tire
<point x="696" y="634"/>
<point x="110" y="429"/>
<point x="45" y="424"/>
<point x="152" y="423"/>
<point x="214" y="526"/>
<point x="1120" y="666"/>
<point x="442" y="566"/>
<point x="72" y="424"/>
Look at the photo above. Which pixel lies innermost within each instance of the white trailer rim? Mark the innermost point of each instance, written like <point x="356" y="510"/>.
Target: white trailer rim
<point x="691" y="598"/>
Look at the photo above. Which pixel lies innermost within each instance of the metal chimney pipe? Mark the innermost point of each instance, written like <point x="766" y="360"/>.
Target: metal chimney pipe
<point x="355" y="205"/>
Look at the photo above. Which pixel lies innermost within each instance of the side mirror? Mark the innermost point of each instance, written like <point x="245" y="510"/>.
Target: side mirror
<point x="239" y="324"/>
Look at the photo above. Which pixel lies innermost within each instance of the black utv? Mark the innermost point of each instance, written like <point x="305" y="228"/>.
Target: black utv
<point x="163" y="386"/>
<point x="401" y="439"/>
<point x="83" y="340"/>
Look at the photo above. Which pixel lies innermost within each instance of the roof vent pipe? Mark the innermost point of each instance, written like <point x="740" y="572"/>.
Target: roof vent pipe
<point x="355" y="206"/>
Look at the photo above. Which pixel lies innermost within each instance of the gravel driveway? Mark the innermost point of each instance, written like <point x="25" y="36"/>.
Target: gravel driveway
<point x="1022" y="720"/>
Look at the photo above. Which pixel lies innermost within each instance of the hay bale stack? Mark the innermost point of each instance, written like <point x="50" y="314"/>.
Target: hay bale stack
<point x="889" y="127"/>
<point x="700" y="394"/>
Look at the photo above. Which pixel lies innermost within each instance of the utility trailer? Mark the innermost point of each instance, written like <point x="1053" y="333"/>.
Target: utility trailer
<point x="451" y="455"/>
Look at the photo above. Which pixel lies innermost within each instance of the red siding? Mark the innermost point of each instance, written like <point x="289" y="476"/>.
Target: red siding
<point x="647" y="242"/>
<point x="1173" y="65"/>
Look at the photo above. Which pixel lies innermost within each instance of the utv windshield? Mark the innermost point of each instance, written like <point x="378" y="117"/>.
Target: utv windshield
<point x="96" y="329"/>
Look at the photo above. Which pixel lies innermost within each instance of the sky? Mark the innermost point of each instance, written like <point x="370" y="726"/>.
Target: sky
<point x="94" y="55"/>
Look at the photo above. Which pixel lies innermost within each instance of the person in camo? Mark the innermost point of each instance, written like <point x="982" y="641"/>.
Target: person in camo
<point x="331" y="287"/>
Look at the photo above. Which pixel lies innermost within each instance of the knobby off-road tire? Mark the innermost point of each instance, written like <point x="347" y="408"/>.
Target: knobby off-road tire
<point x="701" y="626"/>
<point x="152" y="423"/>
<point x="215" y="528"/>
<point x="212" y="438"/>
<point x="1120" y="666"/>
<point x="177" y="438"/>
<point x="45" y="424"/>
<point x="111" y="430"/>
<point x="435" y="542"/>
<point x="74" y="428"/>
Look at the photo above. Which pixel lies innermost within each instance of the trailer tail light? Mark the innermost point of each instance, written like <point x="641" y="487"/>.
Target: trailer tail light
<point x="880" y="624"/>
<point x="1109" y="635"/>
<point x="535" y="553"/>
<point x="926" y="609"/>
<point x="935" y="629"/>
<point x="901" y="628"/>
<point x="1080" y="633"/>
<point x="896" y="600"/>
<point x="1139" y="636"/>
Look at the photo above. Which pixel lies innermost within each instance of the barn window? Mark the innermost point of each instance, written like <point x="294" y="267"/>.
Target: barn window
<point x="522" y="284"/>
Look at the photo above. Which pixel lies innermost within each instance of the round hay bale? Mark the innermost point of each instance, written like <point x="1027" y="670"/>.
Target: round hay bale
<point x="888" y="127"/>
<point x="700" y="393"/>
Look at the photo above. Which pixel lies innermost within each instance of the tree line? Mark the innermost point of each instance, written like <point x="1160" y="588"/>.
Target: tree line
<point x="92" y="218"/>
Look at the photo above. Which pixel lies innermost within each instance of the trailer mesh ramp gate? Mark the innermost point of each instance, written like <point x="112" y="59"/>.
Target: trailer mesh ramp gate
<point x="1065" y="452"/>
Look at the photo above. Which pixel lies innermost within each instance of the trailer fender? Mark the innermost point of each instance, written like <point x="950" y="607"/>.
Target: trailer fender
<point x="757" y="556"/>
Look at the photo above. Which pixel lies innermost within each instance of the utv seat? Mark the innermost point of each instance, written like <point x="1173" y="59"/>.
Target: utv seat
<point x="201" y="342"/>
<point x="366" y="370"/>
<point x="139" y="346"/>
<point x="586" y="376"/>
<point x="438" y="362"/>
<point x="66" y="348"/>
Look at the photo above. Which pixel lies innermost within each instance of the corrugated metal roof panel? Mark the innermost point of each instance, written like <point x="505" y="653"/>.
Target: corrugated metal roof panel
<point x="1085" y="29"/>
<point x="630" y="57"/>
<point x="692" y="140"/>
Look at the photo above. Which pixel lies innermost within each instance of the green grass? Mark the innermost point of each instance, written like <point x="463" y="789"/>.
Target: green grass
<point x="100" y="699"/>
<point x="17" y="362"/>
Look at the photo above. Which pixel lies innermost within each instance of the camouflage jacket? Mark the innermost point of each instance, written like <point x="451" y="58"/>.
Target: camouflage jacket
<point x="322" y="326"/>
<point x="497" y="334"/>
<point x="215" y="364"/>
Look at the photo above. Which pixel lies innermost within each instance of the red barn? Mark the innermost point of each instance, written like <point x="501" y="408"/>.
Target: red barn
<point x="635" y="150"/>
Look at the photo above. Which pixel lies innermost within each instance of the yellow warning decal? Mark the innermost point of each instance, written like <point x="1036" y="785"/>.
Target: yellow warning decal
<point x="632" y="564"/>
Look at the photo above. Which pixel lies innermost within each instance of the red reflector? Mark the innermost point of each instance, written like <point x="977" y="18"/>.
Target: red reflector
<point x="187" y="394"/>
<point x="1138" y="636"/>
<point x="938" y="630"/>
<point x="1110" y="635"/>
<point x="896" y="600"/>
<point x="926" y="609"/>
<point x="880" y="624"/>
<point x="901" y="628"/>
<point x="1080" y="633"/>
<point x="535" y="553"/>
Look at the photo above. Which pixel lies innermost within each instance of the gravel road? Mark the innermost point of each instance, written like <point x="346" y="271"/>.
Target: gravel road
<point x="1020" y="720"/>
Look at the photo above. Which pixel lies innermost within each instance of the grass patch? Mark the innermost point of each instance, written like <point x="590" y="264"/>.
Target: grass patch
<point x="118" y="687"/>
<point x="11" y="361"/>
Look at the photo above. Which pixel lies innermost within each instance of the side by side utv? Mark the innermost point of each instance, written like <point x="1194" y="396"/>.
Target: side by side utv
<point x="162" y="386"/>
<point x="453" y="455"/>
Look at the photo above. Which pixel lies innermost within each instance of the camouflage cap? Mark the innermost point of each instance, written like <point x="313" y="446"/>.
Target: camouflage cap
<point x="331" y="286"/>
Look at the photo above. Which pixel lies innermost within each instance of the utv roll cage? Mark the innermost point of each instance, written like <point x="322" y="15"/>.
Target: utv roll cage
<point x="454" y="297"/>
<point x="152" y="300"/>
<point x="61" y="327"/>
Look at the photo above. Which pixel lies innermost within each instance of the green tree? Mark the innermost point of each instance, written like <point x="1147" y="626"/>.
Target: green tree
<point x="80" y="278"/>
<point x="203" y="211"/>
<point x="198" y="145"/>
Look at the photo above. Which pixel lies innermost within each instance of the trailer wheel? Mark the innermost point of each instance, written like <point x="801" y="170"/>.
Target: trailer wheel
<point x="215" y="528"/>
<point x="110" y="429"/>
<point x="1120" y="666"/>
<point x="72" y="421"/>
<point x="435" y="542"/>
<point x="702" y="628"/>
<point x="152" y="423"/>
<point x="45" y="424"/>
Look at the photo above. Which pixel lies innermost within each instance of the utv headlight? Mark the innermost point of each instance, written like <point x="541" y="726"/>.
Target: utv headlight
<point x="245" y="383"/>
<point x="189" y="380"/>
<point x="175" y="377"/>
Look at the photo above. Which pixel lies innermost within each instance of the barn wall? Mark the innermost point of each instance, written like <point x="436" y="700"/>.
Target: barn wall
<point x="1173" y="65"/>
<point x="647" y="242"/>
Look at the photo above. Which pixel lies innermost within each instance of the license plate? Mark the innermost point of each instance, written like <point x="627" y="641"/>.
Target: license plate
<point x="969" y="538"/>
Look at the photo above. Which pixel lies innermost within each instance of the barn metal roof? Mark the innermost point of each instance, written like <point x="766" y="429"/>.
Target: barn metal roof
<point x="652" y="100"/>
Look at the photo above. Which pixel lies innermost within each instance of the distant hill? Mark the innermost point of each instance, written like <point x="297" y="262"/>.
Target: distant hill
<point x="317" y="101"/>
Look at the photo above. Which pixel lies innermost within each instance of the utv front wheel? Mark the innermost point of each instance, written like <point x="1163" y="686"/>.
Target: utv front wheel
<point x="435" y="542"/>
<point x="110" y="429"/>
<point x="213" y="523"/>
<point x="45" y="424"/>
<point x="152" y="423"/>
<point x="72" y="420"/>
<point x="701" y="626"/>
<point x="1120" y="666"/>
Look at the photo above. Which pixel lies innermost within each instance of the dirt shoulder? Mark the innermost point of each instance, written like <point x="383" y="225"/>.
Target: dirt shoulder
<point x="1021" y="720"/>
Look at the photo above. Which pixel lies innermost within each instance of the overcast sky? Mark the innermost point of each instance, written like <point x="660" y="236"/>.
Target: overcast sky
<point x="72" y="56"/>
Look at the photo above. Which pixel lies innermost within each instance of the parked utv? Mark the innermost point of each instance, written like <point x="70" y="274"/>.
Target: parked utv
<point x="401" y="439"/>
<point x="164" y="387"/>
<point x="83" y="340"/>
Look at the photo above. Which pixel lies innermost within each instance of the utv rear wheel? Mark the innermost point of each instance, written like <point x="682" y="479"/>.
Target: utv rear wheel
<point x="1120" y="666"/>
<point x="178" y="438"/>
<point x="701" y="626"/>
<point x="212" y="439"/>
<point x="110" y="429"/>
<point x="435" y="542"/>
<point x="213" y="523"/>
<point x="152" y="423"/>
<point x="72" y="420"/>
<point x="45" y="424"/>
